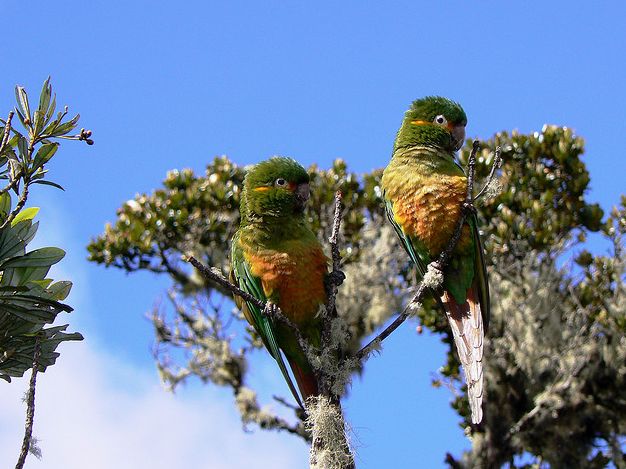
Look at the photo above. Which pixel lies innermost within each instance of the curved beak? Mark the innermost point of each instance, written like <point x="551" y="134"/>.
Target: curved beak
<point x="458" y="136"/>
<point x="302" y="194"/>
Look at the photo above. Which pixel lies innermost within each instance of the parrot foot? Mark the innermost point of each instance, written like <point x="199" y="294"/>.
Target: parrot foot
<point x="469" y="208"/>
<point x="336" y="277"/>
<point x="271" y="310"/>
<point x="333" y="280"/>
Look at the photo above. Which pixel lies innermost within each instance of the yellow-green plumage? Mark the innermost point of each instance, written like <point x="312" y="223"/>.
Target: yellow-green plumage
<point x="426" y="194"/>
<point x="277" y="258"/>
<point x="424" y="188"/>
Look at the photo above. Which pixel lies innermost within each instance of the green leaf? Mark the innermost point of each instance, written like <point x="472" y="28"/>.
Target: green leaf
<point x="21" y="117"/>
<point x="5" y="204"/>
<point x="14" y="139"/>
<point x="66" y="127"/>
<point x="44" y="284"/>
<point x="49" y="183"/>
<point x="38" y="120"/>
<point x="22" y="101"/>
<point x="26" y="214"/>
<point x="13" y="239"/>
<point x="44" y="154"/>
<point x="43" y="257"/>
<point x="60" y="290"/>
<point x="19" y="350"/>
<point x="19" y="276"/>
<point x="22" y="146"/>
<point x="51" y="110"/>
<point x="44" y="97"/>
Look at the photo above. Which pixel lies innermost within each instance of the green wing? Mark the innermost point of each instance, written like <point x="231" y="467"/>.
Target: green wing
<point x="421" y="259"/>
<point x="421" y="262"/>
<point x="480" y="271"/>
<point x="262" y="324"/>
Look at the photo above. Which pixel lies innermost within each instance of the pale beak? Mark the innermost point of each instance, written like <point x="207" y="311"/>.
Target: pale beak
<point x="458" y="136"/>
<point x="302" y="194"/>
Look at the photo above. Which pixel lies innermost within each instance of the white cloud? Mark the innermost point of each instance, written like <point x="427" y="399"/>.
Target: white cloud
<point x="93" y="412"/>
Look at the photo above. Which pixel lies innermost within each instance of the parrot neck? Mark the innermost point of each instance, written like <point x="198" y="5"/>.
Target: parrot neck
<point x="423" y="152"/>
<point x="273" y="229"/>
<point x="425" y="159"/>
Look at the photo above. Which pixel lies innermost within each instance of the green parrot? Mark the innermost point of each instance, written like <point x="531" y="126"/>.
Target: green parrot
<point x="277" y="258"/>
<point x="424" y="188"/>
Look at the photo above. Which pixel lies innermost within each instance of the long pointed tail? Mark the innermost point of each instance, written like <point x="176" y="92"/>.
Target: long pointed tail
<point x="466" y="322"/>
<point x="307" y="384"/>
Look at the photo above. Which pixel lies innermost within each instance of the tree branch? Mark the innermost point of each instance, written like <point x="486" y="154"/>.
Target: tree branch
<point x="217" y="277"/>
<point x="497" y="162"/>
<point x="30" y="410"/>
<point x="335" y="278"/>
<point x="7" y="131"/>
<point x="3" y="143"/>
<point x="20" y="204"/>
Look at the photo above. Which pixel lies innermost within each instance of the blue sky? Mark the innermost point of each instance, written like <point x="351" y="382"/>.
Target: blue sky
<point x="171" y="86"/>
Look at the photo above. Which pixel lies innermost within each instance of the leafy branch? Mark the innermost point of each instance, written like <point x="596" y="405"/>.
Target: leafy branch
<point x="30" y="408"/>
<point x="28" y="299"/>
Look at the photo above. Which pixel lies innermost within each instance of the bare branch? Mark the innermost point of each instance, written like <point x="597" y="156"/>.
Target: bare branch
<point x="7" y="131"/>
<point x="20" y="204"/>
<point x="336" y="276"/>
<point x="213" y="274"/>
<point x="30" y="410"/>
<point x="5" y="140"/>
<point x="497" y="162"/>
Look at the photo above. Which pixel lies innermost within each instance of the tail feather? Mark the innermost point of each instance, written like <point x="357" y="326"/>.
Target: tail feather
<point x="306" y="381"/>
<point x="466" y="322"/>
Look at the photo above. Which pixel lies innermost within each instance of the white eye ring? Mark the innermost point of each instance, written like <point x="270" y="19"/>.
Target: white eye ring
<point x="440" y="120"/>
<point x="281" y="182"/>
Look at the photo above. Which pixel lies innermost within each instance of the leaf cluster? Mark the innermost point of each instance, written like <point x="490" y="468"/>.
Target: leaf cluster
<point x="29" y="300"/>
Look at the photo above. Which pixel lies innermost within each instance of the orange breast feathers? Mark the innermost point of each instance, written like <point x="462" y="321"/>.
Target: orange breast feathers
<point x="294" y="276"/>
<point x="429" y="210"/>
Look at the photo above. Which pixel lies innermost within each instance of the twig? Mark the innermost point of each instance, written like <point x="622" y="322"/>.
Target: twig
<point x="336" y="276"/>
<point x="7" y="131"/>
<point x="375" y="342"/>
<point x="30" y="410"/>
<point x="223" y="281"/>
<point x="497" y="162"/>
<point x="276" y="313"/>
<point x="20" y="204"/>
<point x="5" y="139"/>
<point x="439" y="264"/>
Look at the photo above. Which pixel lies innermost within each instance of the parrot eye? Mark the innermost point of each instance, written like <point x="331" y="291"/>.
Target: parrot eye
<point x="281" y="182"/>
<point x="440" y="120"/>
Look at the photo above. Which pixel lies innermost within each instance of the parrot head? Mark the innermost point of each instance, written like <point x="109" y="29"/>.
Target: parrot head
<point x="276" y="187"/>
<point x="433" y="121"/>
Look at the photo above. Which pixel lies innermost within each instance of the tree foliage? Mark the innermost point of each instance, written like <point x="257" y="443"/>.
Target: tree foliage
<point x="545" y="317"/>
<point x="29" y="300"/>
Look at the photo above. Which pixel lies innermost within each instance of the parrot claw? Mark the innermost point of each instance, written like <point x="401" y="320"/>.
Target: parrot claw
<point x="333" y="280"/>
<point x="337" y="277"/>
<point x="469" y="208"/>
<point x="271" y="310"/>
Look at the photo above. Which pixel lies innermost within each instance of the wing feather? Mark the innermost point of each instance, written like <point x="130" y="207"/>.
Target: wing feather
<point x="251" y="284"/>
